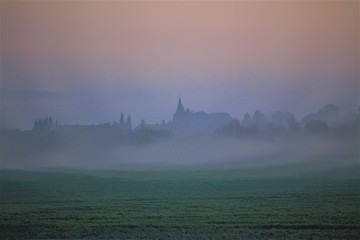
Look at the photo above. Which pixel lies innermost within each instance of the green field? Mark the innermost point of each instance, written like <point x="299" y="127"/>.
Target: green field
<point x="279" y="202"/>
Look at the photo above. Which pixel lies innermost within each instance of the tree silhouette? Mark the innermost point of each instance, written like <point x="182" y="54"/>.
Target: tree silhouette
<point x="128" y="123"/>
<point x="122" y="122"/>
<point x="316" y="127"/>
<point x="247" y="121"/>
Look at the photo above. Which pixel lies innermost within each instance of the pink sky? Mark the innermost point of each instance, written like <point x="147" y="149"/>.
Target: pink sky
<point x="214" y="53"/>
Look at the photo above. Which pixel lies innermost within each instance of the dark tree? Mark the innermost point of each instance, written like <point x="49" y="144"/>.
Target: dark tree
<point x="128" y="123"/>
<point x="122" y="122"/>
<point x="316" y="127"/>
<point x="260" y="120"/>
<point x="293" y="125"/>
<point x="247" y="121"/>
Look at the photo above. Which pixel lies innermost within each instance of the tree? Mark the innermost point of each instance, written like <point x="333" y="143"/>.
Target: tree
<point x="247" y="121"/>
<point x="50" y="123"/>
<point x="232" y="127"/>
<point x="128" y="123"/>
<point x="316" y="127"/>
<point x="122" y="122"/>
<point x="260" y="120"/>
<point x="293" y="125"/>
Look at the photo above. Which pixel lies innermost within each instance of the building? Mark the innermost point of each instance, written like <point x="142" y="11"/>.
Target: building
<point x="186" y="122"/>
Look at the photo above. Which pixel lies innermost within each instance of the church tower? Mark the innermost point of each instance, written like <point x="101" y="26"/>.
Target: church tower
<point x="180" y="107"/>
<point x="181" y="116"/>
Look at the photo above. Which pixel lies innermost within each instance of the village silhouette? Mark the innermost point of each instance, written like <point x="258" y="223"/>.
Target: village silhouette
<point x="185" y="122"/>
<point x="328" y="121"/>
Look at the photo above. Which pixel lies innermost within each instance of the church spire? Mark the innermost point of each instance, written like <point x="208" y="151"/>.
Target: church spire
<point x="180" y="107"/>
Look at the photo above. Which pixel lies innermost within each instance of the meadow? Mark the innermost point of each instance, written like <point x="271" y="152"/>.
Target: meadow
<point x="279" y="202"/>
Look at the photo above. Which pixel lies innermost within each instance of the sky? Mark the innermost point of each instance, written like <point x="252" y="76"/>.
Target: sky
<point x="86" y="62"/>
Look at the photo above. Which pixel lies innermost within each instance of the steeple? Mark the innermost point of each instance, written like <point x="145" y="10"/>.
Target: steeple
<point x="180" y="107"/>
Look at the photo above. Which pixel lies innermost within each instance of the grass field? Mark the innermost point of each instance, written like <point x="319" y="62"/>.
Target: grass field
<point x="277" y="202"/>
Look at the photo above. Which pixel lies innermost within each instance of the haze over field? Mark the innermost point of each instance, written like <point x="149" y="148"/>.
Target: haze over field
<point x="189" y="140"/>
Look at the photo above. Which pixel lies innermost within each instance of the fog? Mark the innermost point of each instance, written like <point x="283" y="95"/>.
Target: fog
<point x="190" y="140"/>
<point x="183" y="153"/>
